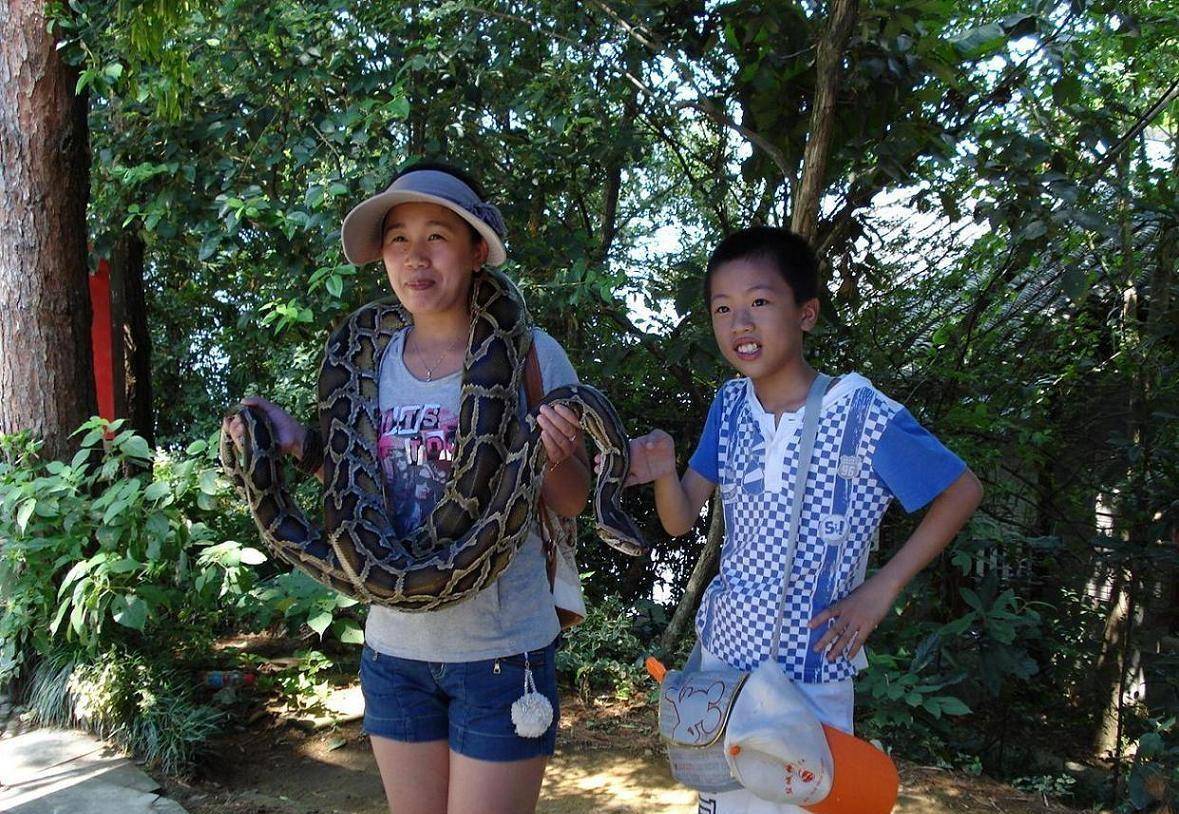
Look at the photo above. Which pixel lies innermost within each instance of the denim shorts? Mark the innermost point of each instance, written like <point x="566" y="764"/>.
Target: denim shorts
<point x="467" y="703"/>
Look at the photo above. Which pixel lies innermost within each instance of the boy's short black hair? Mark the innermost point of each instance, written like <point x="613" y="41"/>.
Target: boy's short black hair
<point x="790" y="253"/>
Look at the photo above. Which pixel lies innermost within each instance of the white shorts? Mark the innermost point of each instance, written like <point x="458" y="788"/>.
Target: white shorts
<point x="833" y="704"/>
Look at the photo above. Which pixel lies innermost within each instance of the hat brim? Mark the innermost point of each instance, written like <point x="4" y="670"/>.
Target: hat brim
<point x="866" y="779"/>
<point x="363" y="231"/>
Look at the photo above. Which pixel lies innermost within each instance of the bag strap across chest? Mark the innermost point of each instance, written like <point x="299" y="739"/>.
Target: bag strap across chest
<point x="806" y="448"/>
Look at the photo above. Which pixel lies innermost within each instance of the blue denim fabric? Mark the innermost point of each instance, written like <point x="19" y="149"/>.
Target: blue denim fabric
<point x="467" y="703"/>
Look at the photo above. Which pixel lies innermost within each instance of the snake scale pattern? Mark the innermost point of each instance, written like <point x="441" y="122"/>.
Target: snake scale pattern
<point x="487" y="507"/>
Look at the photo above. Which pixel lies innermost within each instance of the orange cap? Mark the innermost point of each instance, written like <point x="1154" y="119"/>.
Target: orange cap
<point x="866" y="780"/>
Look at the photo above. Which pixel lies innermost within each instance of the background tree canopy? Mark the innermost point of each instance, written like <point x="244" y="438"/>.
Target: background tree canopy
<point x="991" y="185"/>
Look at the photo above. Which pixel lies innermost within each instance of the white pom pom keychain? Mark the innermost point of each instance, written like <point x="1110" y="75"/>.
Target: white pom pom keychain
<point x="532" y="714"/>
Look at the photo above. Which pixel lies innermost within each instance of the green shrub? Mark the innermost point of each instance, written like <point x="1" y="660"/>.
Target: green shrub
<point x="148" y="707"/>
<point x="92" y="558"/>
<point x="116" y="576"/>
<point x="603" y="654"/>
<point x="1153" y="784"/>
<point x="296" y="599"/>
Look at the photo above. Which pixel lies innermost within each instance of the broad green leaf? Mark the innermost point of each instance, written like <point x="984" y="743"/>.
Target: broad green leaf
<point x="252" y="556"/>
<point x="136" y="447"/>
<point x="981" y="41"/>
<point x="114" y="510"/>
<point x="124" y="565"/>
<point x="72" y="575"/>
<point x="335" y="285"/>
<point x="1150" y="745"/>
<point x="971" y="599"/>
<point x="24" y="513"/>
<point x="156" y="490"/>
<point x="319" y="623"/>
<point x="130" y="611"/>
<point x="62" y="608"/>
<point x="78" y="620"/>
<point x="349" y="632"/>
<point x="196" y="447"/>
<point x="208" y="482"/>
<point x="951" y="705"/>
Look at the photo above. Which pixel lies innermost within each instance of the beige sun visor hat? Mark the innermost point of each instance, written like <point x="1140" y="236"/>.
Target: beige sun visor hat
<point x="362" y="232"/>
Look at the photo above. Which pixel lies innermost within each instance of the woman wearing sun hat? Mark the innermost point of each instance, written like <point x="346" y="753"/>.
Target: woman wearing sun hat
<point x="439" y="686"/>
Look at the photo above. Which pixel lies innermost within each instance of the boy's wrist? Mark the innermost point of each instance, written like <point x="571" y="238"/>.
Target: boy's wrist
<point x="888" y="580"/>
<point x="666" y="480"/>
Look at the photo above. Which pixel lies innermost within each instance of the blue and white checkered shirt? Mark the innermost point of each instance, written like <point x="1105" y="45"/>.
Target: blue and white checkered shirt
<point x="869" y="450"/>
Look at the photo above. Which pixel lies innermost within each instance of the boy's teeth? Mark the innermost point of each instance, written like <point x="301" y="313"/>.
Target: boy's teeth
<point x="748" y="347"/>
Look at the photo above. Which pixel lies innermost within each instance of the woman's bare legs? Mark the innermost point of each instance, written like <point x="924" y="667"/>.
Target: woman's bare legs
<point x="488" y="787"/>
<point x="415" y="775"/>
<point x="427" y="778"/>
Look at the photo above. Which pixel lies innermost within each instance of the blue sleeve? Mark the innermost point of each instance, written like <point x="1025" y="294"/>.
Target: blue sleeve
<point x="914" y="465"/>
<point x="704" y="459"/>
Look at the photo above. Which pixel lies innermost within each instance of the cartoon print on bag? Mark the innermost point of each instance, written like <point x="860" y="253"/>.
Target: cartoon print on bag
<point x="704" y="720"/>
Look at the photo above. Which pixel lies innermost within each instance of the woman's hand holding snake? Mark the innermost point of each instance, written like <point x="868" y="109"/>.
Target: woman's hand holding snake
<point x="560" y="432"/>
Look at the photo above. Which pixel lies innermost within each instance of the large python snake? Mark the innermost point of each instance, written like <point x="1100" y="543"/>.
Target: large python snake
<point x="488" y="505"/>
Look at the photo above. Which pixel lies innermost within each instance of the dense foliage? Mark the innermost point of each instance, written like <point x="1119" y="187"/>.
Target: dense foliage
<point x="999" y="227"/>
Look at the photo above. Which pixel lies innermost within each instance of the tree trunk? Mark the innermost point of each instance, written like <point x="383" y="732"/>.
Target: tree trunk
<point x="702" y="574"/>
<point x="1126" y="618"/>
<point x="818" y="145"/>
<point x="1117" y="662"/>
<point x="131" y="354"/>
<point x="46" y="371"/>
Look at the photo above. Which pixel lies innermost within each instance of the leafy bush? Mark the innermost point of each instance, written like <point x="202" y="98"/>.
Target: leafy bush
<point x="296" y="599"/>
<point x="146" y="706"/>
<point x="116" y="574"/>
<point x="603" y="654"/>
<point x="901" y="701"/>
<point x="1154" y="776"/>
<point x="303" y="685"/>
<point x="92" y="558"/>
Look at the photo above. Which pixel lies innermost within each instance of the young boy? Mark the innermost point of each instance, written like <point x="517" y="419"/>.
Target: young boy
<point x="761" y="287"/>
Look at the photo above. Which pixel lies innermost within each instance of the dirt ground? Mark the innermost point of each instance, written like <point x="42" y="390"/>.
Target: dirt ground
<point x="608" y="760"/>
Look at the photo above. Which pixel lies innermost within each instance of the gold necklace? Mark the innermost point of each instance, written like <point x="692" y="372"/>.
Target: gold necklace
<point x="431" y="368"/>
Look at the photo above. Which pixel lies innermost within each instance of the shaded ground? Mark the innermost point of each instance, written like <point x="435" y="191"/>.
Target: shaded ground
<point x="608" y="761"/>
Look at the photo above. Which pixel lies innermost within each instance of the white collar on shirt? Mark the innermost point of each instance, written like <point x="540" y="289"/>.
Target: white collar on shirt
<point x="778" y="436"/>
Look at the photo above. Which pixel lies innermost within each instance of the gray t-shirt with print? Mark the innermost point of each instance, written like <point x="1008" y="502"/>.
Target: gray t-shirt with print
<point x="418" y="424"/>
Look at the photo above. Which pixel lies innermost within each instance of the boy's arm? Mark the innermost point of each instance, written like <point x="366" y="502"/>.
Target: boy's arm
<point x="678" y="501"/>
<point x="858" y="614"/>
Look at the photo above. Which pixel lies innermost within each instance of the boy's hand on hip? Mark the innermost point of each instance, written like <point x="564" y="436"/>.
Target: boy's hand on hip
<point x="853" y="619"/>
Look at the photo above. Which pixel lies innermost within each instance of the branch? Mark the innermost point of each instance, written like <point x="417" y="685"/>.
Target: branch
<point x="706" y="106"/>
<point x="652" y="346"/>
<point x="702" y="102"/>
<point x="1141" y="124"/>
<point x="818" y="145"/>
